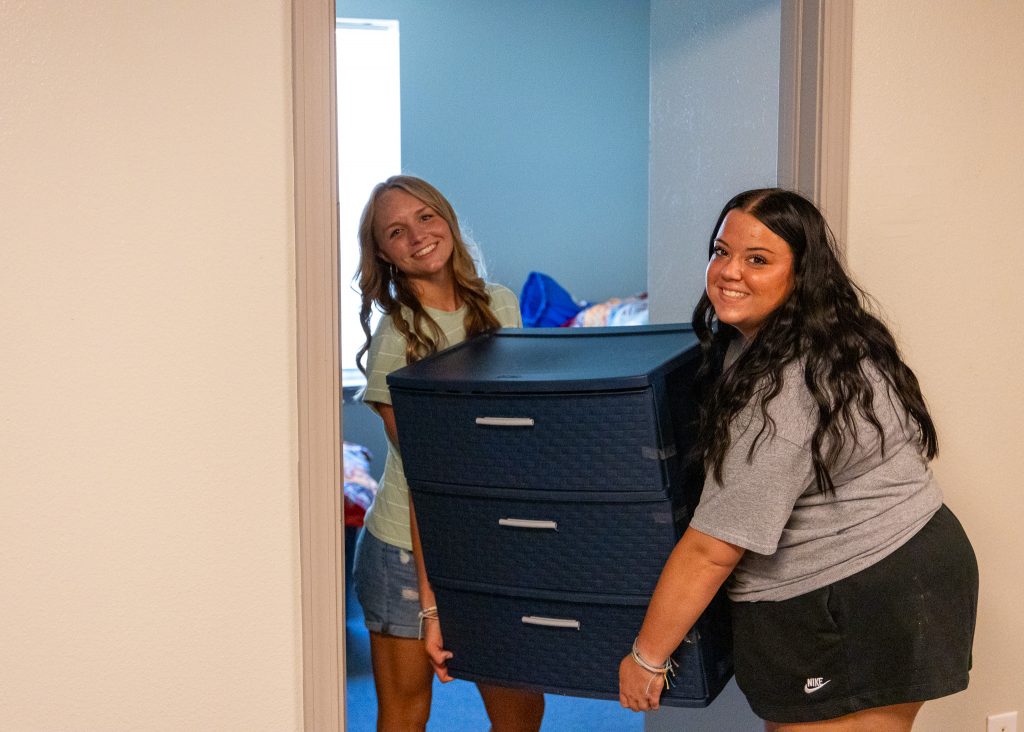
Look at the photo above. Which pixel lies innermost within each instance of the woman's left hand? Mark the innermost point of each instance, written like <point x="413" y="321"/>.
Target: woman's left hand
<point x="436" y="651"/>
<point x="639" y="689"/>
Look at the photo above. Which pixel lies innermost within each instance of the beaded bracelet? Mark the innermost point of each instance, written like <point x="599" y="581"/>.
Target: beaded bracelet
<point x="427" y="613"/>
<point x="666" y="670"/>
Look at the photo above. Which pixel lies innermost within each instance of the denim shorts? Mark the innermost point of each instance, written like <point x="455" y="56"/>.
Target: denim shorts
<point x="385" y="584"/>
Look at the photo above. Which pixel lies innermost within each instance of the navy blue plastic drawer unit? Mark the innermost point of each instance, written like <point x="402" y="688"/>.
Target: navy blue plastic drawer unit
<point x="549" y="474"/>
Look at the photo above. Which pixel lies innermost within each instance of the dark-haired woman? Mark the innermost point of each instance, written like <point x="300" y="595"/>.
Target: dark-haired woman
<point x="853" y="587"/>
<point x="416" y="268"/>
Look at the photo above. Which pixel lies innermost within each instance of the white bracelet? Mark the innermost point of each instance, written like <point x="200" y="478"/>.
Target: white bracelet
<point x="427" y="613"/>
<point x="667" y="669"/>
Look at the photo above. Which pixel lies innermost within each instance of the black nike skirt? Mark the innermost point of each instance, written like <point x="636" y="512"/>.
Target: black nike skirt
<point x="899" y="631"/>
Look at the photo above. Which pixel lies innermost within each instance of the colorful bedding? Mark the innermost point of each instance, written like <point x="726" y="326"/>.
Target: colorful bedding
<point x="360" y="487"/>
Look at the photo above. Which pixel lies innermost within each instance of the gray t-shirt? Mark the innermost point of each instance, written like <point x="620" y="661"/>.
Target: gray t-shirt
<point x="797" y="539"/>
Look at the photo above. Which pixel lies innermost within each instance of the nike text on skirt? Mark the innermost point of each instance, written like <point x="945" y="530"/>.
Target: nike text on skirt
<point x="899" y="631"/>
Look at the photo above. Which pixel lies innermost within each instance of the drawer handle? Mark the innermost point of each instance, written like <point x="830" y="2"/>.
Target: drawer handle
<point x="505" y="421"/>
<point x="529" y="523"/>
<point x="551" y="622"/>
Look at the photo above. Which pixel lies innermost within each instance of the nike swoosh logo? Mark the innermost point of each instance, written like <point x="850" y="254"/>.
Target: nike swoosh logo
<point x="811" y="689"/>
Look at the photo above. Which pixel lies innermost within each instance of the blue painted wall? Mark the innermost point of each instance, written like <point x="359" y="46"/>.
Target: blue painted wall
<point x="714" y="132"/>
<point x="533" y="118"/>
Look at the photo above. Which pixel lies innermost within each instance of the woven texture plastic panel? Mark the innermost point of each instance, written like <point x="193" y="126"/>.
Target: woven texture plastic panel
<point x="491" y="641"/>
<point x="577" y="441"/>
<point x="572" y="547"/>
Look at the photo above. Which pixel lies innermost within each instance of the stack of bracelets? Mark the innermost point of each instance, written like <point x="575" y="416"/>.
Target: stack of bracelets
<point x="666" y="670"/>
<point x="427" y="613"/>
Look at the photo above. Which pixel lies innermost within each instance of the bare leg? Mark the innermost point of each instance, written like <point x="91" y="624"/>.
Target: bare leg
<point x="512" y="710"/>
<point x="404" y="680"/>
<point x="895" y="718"/>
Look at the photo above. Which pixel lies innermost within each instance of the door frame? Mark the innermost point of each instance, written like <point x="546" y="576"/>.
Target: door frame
<point x="815" y="75"/>
<point x="814" y="124"/>
<point x="321" y="546"/>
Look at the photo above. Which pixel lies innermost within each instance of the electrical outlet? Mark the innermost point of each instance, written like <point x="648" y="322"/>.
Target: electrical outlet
<point x="1005" y="722"/>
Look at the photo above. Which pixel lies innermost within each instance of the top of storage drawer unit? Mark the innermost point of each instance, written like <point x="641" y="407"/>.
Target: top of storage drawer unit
<point x="554" y="359"/>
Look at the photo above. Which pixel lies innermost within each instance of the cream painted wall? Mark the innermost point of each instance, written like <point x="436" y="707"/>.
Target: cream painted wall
<point x="148" y="480"/>
<point x="936" y="159"/>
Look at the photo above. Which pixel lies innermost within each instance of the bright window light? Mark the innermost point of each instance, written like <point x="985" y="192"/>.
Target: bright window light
<point x="369" y="150"/>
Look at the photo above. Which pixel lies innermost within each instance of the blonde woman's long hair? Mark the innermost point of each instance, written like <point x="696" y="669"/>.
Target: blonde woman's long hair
<point x="382" y="285"/>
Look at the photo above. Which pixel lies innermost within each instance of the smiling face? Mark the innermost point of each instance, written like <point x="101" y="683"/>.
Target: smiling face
<point x="750" y="273"/>
<point x="412" y="236"/>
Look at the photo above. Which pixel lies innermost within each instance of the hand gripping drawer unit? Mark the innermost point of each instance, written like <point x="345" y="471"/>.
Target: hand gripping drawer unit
<point x="549" y="477"/>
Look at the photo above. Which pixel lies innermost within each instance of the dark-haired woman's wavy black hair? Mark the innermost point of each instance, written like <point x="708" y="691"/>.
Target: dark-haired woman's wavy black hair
<point x="824" y="323"/>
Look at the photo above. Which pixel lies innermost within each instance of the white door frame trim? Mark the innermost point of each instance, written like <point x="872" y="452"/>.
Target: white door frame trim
<point x="319" y="390"/>
<point x="814" y="104"/>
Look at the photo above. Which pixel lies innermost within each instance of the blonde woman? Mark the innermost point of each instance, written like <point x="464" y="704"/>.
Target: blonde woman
<point x="416" y="269"/>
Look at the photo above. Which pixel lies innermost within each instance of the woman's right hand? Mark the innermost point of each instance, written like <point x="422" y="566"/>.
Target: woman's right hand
<point x="639" y="689"/>
<point x="436" y="651"/>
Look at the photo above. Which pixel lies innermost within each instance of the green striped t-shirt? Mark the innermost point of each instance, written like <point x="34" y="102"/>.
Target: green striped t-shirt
<point x="388" y="517"/>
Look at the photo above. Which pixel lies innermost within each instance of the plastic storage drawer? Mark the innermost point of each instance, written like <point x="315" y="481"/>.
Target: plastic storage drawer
<point x="568" y="647"/>
<point x="567" y="545"/>
<point x="568" y="441"/>
<point x="548" y="472"/>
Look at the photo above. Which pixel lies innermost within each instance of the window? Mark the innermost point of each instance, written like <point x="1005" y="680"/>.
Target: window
<point x="369" y="150"/>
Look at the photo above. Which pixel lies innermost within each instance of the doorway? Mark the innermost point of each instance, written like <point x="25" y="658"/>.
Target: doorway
<point x="320" y="425"/>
